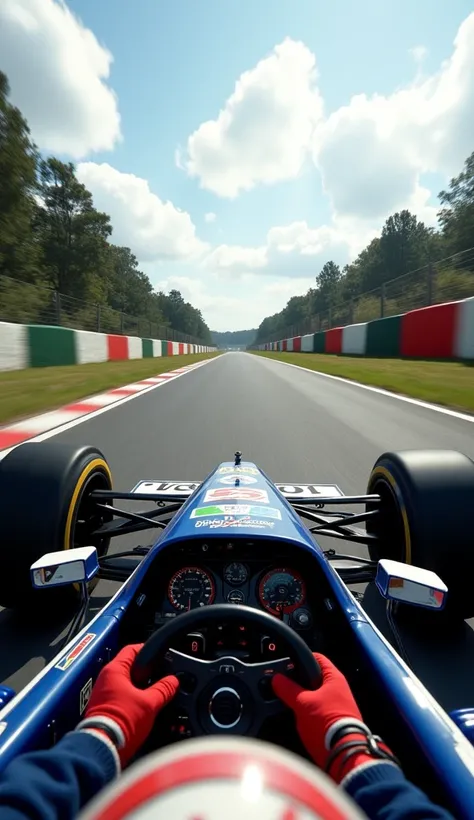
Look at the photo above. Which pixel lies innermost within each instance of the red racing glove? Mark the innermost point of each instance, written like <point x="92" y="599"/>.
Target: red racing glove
<point x="324" y="714"/>
<point x="120" y="710"/>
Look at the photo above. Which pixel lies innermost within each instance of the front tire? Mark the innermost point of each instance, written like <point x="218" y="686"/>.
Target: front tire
<point x="45" y="506"/>
<point x="427" y="498"/>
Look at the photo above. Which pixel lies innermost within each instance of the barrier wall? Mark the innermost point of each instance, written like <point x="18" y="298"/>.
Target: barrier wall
<point x="23" y="346"/>
<point x="437" y="332"/>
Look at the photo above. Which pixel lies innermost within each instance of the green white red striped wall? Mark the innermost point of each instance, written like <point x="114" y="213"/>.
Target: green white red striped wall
<point x="437" y="332"/>
<point x="24" y="346"/>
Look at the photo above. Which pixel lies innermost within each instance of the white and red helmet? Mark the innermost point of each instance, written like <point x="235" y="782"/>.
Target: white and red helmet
<point x="216" y="779"/>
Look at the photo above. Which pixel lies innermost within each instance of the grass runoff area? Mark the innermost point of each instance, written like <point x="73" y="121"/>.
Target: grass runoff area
<point x="27" y="392"/>
<point x="440" y="382"/>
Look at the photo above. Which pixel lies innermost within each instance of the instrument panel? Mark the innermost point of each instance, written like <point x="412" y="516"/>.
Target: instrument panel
<point x="280" y="590"/>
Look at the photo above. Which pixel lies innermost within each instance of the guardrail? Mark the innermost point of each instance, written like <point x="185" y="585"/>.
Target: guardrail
<point x="444" y="331"/>
<point x="23" y="346"/>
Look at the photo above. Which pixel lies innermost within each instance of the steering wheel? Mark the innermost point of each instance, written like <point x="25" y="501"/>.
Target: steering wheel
<point x="227" y="695"/>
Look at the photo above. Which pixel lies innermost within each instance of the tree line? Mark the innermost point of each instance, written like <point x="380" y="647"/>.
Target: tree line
<point x="405" y="245"/>
<point x="234" y="338"/>
<point x="52" y="236"/>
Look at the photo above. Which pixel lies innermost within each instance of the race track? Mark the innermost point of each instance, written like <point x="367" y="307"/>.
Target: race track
<point x="298" y="426"/>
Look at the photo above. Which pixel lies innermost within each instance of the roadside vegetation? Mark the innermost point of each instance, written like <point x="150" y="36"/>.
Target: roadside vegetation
<point x="58" y="265"/>
<point x="36" y="390"/>
<point x="408" y="266"/>
<point x="448" y="383"/>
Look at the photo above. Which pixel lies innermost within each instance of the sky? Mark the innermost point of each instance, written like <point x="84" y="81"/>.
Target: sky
<point x="238" y="145"/>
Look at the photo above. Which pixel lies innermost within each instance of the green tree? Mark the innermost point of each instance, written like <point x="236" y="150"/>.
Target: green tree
<point x="72" y="234"/>
<point x="457" y="216"/>
<point x="404" y="245"/>
<point x="18" y="161"/>
<point x="327" y="281"/>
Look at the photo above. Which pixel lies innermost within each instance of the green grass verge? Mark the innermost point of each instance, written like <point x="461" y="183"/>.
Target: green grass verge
<point x="447" y="383"/>
<point x="24" y="392"/>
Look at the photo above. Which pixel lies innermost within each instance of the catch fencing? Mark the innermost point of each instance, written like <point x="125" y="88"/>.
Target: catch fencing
<point x="27" y="303"/>
<point x="447" y="280"/>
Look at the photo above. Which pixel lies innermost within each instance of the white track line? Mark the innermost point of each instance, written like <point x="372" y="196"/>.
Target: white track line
<point x="418" y="402"/>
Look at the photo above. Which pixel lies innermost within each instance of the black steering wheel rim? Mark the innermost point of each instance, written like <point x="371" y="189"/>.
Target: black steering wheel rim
<point x="308" y="670"/>
<point x="245" y="679"/>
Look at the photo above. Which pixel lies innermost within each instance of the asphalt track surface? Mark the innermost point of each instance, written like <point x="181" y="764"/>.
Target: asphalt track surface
<point x="299" y="427"/>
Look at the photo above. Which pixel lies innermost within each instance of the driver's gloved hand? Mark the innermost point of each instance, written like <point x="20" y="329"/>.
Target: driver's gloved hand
<point x="329" y="722"/>
<point x="120" y="710"/>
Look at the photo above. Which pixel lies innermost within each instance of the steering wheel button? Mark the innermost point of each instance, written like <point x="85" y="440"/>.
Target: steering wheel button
<point x="268" y="647"/>
<point x="227" y="669"/>
<point x="195" y="644"/>
<point x="225" y="708"/>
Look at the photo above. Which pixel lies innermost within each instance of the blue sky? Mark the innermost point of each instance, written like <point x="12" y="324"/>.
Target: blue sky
<point x="348" y="111"/>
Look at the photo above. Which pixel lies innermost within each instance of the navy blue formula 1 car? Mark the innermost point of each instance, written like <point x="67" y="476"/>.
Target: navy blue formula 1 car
<point x="235" y="588"/>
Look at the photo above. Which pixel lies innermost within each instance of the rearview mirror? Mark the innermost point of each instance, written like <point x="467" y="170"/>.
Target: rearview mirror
<point x="410" y="585"/>
<point x="56" y="569"/>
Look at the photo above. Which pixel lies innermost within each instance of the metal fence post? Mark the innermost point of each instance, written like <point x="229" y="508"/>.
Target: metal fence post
<point x="57" y="299"/>
<point x="382" y="301"/>
<point x="98" y="318"/>
<point x="429" y="294"/>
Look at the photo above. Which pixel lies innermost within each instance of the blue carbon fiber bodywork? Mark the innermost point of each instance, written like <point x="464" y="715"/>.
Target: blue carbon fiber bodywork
<point x="51" y="703"/>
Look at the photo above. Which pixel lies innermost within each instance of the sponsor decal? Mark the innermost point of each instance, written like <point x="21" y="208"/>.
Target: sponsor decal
<point x="165" y="487"/>
<point x="74" y="653"/>
<point x="309" y="490"/>
<point x="248" y="470"/>
<point x="235" y="478"/>
<point x="245" y="522"/>
<point x="237" y="493"/>
<point x="85" y="696"/>
<point x="186" y="488"/>
<point x="236" y="509"/>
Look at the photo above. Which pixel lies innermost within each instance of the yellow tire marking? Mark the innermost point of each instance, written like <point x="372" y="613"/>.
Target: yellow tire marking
<point x="97" y="463"/>
<point x="383" y="472"/>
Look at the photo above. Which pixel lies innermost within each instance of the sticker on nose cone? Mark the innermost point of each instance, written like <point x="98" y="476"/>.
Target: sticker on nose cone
<point x="235" y="478"/>
<point x="237" y="493"/>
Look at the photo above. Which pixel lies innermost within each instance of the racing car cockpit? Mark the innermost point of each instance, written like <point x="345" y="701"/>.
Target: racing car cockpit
<point x="234" y="589"/>
<point x="225" y="614"/>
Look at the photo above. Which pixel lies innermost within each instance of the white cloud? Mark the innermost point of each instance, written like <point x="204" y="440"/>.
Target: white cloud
<point x="154" y="230"/>
<point x="262" y="133"/>
<point x="58" y="73"/>
<point x="373" y="152"/>
<point x="293" y="251"/>
<point x="210" y="217"/>
<point x="232" y="309"/>
<point x="234" y="259"/>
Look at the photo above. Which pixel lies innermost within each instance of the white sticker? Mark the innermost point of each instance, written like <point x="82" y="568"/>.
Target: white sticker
<point x="85" y="696"/>
<point x="170" y="488"/>
<point x="309" y="490"/>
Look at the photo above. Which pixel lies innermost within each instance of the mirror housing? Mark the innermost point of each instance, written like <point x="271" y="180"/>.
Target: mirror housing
<point x="56" y="569"/>
<point x="410" y="585"/>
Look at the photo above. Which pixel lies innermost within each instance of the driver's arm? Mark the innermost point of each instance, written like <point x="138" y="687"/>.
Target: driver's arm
<point x="331" y="728"/>
<point x="56" y="783"/>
